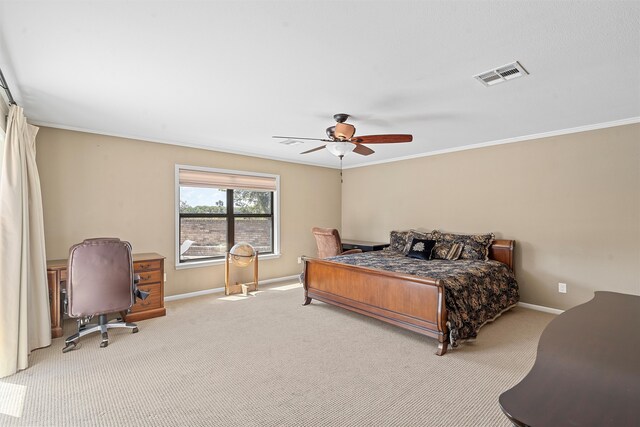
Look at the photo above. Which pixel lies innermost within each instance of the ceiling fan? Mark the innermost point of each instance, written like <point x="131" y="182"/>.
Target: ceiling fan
<point x="341" y="139"/>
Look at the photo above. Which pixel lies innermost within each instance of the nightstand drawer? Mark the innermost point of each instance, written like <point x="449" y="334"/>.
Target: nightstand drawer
<point x="149" y="277"/>
<point x="154" y="300"/>
<point x="139" y="266"/>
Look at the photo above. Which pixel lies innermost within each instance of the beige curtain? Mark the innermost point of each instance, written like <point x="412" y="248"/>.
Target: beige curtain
<point x="25" y="323"/>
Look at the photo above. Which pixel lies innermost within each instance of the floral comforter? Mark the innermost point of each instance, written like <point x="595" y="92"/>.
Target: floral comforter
<point x="476" y="292"/>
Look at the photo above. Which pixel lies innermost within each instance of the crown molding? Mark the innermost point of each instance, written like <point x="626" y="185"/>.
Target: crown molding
<point x="567" y="131"/>
<point x="178" y="144"/>
<point x="559" y="132"/>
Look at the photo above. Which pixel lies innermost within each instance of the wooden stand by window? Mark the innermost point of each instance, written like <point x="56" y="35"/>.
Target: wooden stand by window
<point x="243" y="288"/>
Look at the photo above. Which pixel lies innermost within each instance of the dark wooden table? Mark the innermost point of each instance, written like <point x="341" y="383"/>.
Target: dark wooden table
<point x="362" y="244"/>
<point x="587" y="370"/>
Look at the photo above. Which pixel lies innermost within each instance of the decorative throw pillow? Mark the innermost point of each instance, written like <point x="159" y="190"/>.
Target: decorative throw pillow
<point x="416" y="234"/>
<point x="447" y="250"/>
<point x="398" y="241"/>
<point x="421" y="248"/>
<point x="475" y="246"/>
<point x="455" y="251"/>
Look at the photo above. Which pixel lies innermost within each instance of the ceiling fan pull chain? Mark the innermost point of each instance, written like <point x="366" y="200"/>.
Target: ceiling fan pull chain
<point x="341" y="181"/>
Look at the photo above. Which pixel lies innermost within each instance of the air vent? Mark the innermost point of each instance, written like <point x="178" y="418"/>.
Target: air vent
<point x="501" y="74"/>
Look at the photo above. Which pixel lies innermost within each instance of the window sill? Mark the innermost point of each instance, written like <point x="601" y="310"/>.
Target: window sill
<point x="209" y="263"/>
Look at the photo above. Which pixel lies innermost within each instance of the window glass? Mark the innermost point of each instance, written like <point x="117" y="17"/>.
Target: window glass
<point x="202" y="238"/>
<point x="251" y="202"/>
<point x="255" y="231"/>
<point x="203" y="200"/>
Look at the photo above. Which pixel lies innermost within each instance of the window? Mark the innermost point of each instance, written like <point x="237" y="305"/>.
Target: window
<point x="218" y="208"/>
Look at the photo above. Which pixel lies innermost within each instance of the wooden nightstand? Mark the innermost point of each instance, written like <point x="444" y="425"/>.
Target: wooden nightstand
<point x="150" y="268"/>
<point x="363" y="245"/>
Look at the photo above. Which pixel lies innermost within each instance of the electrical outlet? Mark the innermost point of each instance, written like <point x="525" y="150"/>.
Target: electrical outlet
<point x="562" y="288"/>
<point x="299" y="260"/>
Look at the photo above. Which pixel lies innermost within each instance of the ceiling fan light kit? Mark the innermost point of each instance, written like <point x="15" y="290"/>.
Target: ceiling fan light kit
<point x="340" y="148"/>
<point x="341" y="139"/>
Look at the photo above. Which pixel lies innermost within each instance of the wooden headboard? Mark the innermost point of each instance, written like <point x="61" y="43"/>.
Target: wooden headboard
<point x="502" y="250"/>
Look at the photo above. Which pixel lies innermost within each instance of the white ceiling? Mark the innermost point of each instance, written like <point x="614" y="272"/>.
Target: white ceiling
<point x="227" y="75"/>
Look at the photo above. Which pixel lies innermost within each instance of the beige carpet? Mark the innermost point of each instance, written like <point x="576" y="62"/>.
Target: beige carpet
<point x="268" y="361"/>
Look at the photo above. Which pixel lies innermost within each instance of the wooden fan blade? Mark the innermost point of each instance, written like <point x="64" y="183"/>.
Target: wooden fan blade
<point x="361" y="149"/>
<point x="313" y="149"/>
<point x="382" y="139"/>
<point x="298" y="137"/>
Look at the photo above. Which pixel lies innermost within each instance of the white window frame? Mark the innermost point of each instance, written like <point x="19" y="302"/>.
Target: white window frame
<point x="206" y="263"/>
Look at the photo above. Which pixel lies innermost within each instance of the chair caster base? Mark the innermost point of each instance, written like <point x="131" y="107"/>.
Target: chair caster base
<point x="105" y="338"/>
<point x="85" y="328"/>
<point x="69" y="346"/>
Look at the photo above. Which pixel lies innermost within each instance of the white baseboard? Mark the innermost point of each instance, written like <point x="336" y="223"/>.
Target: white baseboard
<point x="287" y="278"/>
<point x="280" y="279"/>
<point x="540" y="308"/>
<point x="193" y="294"/>
<point x="221" y="289"/>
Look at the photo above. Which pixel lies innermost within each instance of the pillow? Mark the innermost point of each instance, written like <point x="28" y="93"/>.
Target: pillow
<point x="421" y="248"/>
<point x="447" y="250"/>
<point x="475" y="246"/>
<point x="416" y="234"/>
<point x="398" y="241"/>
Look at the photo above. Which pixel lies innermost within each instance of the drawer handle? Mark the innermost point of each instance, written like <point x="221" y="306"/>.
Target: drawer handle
<point x="145" y="277"/>
<point x="144" y="266"/>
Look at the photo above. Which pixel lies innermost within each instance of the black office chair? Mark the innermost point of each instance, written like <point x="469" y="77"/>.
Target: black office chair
<point x="100" y="281"/>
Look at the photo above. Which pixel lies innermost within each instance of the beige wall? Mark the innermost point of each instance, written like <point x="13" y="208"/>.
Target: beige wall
<point x="96" y="185"/>
<point x="571" y="202"/>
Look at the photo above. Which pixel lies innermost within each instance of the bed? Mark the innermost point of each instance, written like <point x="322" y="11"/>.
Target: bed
<point x="446" y="300"/>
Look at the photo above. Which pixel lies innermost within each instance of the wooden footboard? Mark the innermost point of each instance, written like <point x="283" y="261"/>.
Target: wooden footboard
<point x="406" y="301"/>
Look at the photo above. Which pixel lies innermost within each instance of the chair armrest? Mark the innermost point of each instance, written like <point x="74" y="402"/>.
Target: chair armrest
<point x="351" y="251"/>
<point x="137" y="293"/>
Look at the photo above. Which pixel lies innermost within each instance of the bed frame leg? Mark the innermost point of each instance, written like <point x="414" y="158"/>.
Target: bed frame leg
<point x="307" y="300"/>
<point x="442" y="348"/>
